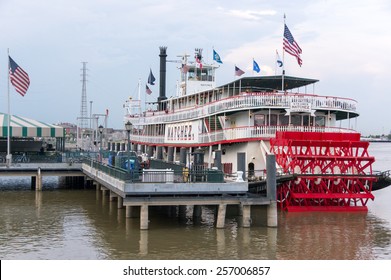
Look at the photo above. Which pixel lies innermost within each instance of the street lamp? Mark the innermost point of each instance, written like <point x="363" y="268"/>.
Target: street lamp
<point x="128" y="127"/>
<point x="100" y="148"/>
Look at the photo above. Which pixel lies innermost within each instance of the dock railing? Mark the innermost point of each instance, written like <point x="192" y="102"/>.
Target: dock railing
<point x="26" y="157"/>
<point x="160" y="172"/>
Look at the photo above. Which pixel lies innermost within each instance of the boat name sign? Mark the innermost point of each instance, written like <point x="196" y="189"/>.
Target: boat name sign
<point x="300" y="107"/>
<point x="303" y="107"/>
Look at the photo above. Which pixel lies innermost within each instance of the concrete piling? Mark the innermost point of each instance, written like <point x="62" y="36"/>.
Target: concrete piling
<point x="38" y="186"/>
<point x="271" y="190"/>
<point x="144" y="217"/>
<point x="119" y="202"/>
<point x="222" y="208"/>
<point x="246" y="216"/>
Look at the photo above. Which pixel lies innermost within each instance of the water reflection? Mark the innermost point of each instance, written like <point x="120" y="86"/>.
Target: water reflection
<point x="38" y="202"/>
<point x="220" y="240"/>
<point x="144" y="242"/>
<point x="334" y="236"/>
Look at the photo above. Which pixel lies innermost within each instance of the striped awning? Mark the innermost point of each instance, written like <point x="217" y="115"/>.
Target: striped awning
<point x="24" y="127"/>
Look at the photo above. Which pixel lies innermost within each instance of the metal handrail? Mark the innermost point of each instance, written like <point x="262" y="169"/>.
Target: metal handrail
<point x="183" y="175"/>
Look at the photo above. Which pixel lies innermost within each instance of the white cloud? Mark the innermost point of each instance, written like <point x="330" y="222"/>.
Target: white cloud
<point x="249" y="14"/>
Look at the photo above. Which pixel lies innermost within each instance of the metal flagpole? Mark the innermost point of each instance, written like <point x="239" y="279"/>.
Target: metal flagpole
<point x="145" y="100"/>
<point x="9" y="156"/>
<point x="139" y="95"/>
<point x="283" y="60"/>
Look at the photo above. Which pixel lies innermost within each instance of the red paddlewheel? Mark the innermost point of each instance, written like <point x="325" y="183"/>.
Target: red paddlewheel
<point x="333" y="171"/>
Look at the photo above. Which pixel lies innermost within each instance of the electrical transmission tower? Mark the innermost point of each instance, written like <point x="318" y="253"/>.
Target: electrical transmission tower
<point x="83" y="106"/>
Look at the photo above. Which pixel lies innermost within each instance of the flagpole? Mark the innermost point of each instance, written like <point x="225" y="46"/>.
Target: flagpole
<point x="283" y="60"/>
<point x="233" y="91"/>
<point x="145" y="101"/>
<point x="8" y="157"/>
<point x="139" y="95"/>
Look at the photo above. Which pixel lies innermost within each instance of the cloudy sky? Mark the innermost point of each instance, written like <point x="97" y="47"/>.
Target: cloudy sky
<point x="346" y="45"/>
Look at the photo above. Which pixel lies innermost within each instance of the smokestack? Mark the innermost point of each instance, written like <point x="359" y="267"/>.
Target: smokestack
<point x="162" y="82"/>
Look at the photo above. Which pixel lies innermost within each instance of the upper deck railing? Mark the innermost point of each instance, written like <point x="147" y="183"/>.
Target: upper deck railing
<point x="245" y="101"/>
<point x="237" y="134"/>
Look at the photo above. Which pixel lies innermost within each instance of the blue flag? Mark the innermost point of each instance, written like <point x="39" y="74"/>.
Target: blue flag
<point x="151" y="78"/>
<point x="256" y="66"/>
<point x="216" y="57"/>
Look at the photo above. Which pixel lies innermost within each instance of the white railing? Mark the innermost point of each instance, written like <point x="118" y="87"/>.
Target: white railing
<point x="246" y="101"/>
<point x="244" y="133"/>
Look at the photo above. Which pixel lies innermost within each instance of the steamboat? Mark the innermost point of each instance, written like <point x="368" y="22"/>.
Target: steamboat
<point x="325" y="165"/>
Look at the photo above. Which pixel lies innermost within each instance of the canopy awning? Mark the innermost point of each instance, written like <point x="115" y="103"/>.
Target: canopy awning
<point x="24" y="127"/>
<point x="271" y="83"/>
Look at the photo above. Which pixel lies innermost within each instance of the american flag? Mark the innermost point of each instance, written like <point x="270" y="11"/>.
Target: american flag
<point x="290" y="45"/>
<point x="18" y="77"/>
<point x="238" y="71"/>
<point x="147" y="90"/>
<point x="185" y="68"/>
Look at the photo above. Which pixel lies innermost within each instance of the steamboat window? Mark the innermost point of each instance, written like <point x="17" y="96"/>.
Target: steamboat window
<point x="320" y="121"/>
<point x="284" y="120"/>
<point x="191" y="74"/>
<point x="307" y="120"/>
<point x="259" y="120"/>
<point x="203" y="74"/>
<point x="272" y="119"/>
<point x="296" y="120"/>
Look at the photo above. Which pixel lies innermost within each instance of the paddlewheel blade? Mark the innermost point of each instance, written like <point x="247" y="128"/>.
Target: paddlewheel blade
<point x="332" y="171"/>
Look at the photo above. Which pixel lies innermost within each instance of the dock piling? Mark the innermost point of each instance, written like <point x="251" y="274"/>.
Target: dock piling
<point x="197" y="211"/>
<point x="222" y="208"/>
<point x="119" y="202"/>
<point x="144" y="217"/>
<point x="38" y="186"/>
<point x="271" y="190"/>
<point x="246" y="216"/>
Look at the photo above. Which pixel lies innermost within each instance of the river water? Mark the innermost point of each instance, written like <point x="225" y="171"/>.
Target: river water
<point x="78" y="224"/>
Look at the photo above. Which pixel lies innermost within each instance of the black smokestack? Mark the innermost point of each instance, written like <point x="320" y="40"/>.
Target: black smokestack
<point x="162" y="83"/>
